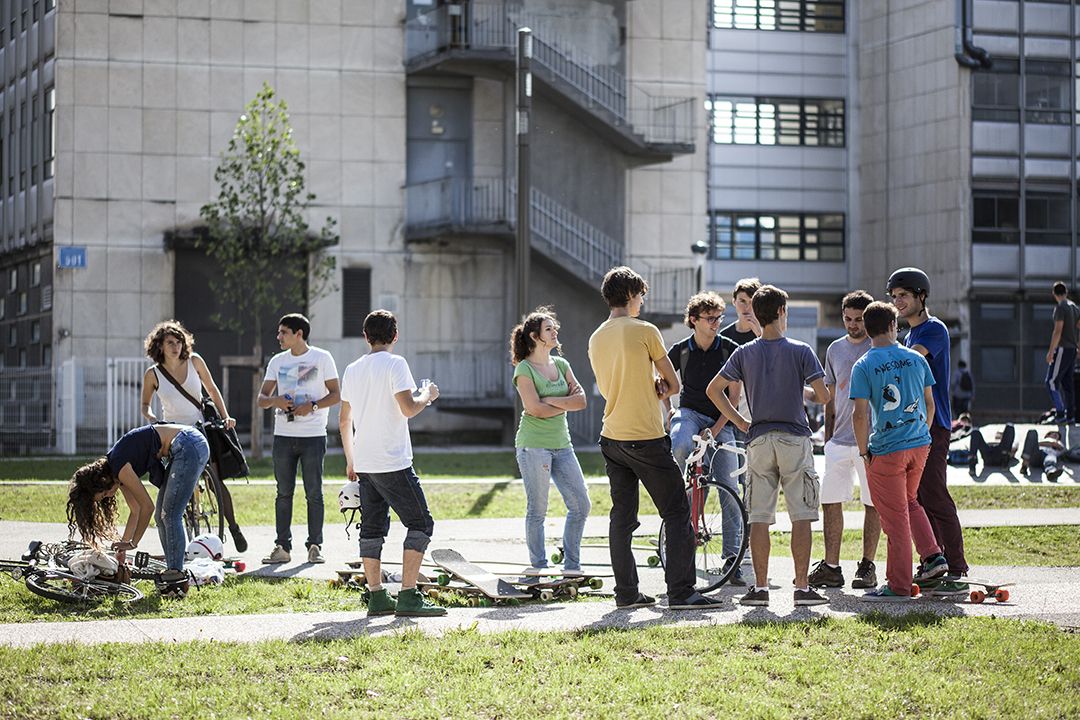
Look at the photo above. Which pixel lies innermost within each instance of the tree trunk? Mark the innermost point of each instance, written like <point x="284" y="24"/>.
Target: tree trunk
<point x="256" y="411"/>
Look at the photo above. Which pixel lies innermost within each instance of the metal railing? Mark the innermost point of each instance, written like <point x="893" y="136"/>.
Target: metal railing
<point x="492" y="26"/>
<point x="472" y="373"/>
<point x="669" y="287"/>
<point x="458" y="203"/>
<point x="26" y="411"/>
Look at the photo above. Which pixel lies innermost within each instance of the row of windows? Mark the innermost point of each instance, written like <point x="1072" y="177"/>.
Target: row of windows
<point x="41" y="137"/>
<point x="996" y="218"/>
<point x="1047" y="91"/>
<point x="34" y="269"/>
<point x="776" y="236"/>
<point x="23" y="360"/>
<point x="792" y="15"/>
<point x="35" y="333"/>
<point x="20" y="13"/>
<point x="776" y="121"/>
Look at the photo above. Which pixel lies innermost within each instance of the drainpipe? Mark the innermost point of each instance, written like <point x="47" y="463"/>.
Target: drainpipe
<point x="967" y="53"/>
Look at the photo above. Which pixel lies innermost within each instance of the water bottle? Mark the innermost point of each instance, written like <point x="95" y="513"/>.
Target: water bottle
<point x="289" y="417"/>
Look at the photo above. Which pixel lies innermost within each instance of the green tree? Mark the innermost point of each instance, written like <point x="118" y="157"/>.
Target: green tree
<point x="257" y="234"/>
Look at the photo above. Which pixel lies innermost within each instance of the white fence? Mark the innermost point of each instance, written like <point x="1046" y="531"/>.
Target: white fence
<point x="123" y="391"/>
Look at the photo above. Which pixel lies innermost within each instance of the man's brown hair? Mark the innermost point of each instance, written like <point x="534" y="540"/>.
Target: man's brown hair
<point x="767" y="303"/>
<point x="877" y="317"/>
<point x="746" y="285"/>
<point x="620" y="284"/>
<point x="380" y="327"/>
<point x="702" y="302"/>
<point x="857" y="299"/>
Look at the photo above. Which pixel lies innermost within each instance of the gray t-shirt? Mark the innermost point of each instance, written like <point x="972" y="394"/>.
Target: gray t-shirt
<point x="1068" y="313"/>
<point x="773" y="373"/>
<point x="839" y="359"/>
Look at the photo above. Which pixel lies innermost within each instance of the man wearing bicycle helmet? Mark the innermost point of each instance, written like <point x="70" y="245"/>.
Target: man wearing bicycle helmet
<point x="909" y="288"/>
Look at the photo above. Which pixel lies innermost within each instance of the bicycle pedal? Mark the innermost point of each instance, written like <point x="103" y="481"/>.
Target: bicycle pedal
<point x="142" y="559"/>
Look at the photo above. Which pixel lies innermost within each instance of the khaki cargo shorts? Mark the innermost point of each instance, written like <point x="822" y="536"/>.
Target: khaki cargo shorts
<point x="779" y="459"/>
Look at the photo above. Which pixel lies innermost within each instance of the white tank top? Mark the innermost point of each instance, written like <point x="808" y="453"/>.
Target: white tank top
<point x="176" y="408"/>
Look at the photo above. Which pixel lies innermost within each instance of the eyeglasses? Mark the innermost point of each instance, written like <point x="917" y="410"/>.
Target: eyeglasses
<point x="711" y="319"/>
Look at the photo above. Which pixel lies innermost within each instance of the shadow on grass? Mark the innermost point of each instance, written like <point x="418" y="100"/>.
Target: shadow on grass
<point x="481" y="503"/>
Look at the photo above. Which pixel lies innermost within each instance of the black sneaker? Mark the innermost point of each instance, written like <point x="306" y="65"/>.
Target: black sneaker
<point x="696" y="601"/>
<point x="809" y="597"/>
<point x="865" y="575"/>
<point x="824" y="576"/>
<point x="756" y="596"/>
<point x="641" y="600"/>
<point x="238" y="538"/>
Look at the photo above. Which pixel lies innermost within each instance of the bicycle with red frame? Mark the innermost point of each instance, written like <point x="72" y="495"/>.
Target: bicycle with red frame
<point x="718" y="517"/>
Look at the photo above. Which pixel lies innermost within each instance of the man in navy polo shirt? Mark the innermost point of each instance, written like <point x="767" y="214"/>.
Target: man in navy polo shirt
<point x="697" y="359"/>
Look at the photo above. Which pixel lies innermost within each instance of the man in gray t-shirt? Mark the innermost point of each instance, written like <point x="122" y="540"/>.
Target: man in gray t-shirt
<point x="842" y="461"/>
<point x="1061" y="356"/>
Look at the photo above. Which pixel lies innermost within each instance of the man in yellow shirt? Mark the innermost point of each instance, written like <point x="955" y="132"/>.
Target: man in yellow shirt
<point x="626" y="353"/>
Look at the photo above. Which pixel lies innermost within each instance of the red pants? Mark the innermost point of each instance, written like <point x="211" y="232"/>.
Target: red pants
<point x="894" y="485"/>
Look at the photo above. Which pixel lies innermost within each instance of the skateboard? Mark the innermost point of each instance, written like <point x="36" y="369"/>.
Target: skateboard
<point x="998" y="591"/>
<point x="490" y="585"/>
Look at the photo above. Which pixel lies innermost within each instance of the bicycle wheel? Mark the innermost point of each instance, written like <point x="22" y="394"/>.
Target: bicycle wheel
<point x="715" y="564"/>
<point x="202" y="514"/>
<point x="65" y="587"/>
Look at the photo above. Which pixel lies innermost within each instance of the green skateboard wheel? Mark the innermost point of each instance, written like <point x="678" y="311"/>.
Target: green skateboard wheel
<point x="654" y="561"/>
<point x="443" y="579"/>
<point x="556" y="557"/>
<point x="596" y="583"/>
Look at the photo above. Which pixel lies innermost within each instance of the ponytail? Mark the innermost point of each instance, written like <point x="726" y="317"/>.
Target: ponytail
<point x="522" y="342"/>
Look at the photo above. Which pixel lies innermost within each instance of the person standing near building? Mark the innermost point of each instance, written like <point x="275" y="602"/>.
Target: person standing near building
<point x="1061" y="357"/>
<point x="774" y="370"/>
<point x="378" y="396"/>
<point x="301" y="384"/>
<point x="963" y="389"/>
<point x="548" y="391"/>
<point x="697" y="359"/>
<point x="842" y="462"/>
<point x="909" y="289"/>
<point x="891" y="387"/>
<point x="746" y="327"/>
<point x="626" y="353"/>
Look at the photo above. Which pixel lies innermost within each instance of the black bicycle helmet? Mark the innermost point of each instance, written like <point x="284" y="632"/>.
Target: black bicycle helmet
<point x="910" y="278"/>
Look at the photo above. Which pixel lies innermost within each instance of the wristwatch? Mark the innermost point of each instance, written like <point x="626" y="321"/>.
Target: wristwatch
<point x="314" y="406"/>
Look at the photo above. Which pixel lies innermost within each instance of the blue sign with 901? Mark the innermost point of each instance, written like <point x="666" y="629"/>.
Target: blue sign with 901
<point x="72" y="256"/>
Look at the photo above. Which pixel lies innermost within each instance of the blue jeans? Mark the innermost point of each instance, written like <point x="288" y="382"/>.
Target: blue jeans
<point x="187" y="458"/>
<point x="538" y="467"/>
<point x="684" y="426"/>
<point x="309" y="453"/>
<point x="400" y="491"/>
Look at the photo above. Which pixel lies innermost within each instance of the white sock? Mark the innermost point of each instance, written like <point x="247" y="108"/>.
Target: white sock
<point x="803" y="589"/>
<point x="374" y="588"/>
<point x="834" y="567"/>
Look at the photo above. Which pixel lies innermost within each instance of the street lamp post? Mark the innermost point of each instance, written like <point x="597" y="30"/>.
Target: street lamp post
<point x="524" y="111"/>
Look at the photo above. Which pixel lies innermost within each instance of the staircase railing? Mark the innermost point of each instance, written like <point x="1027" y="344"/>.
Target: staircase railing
<point x="493" y="26"/>
<point x="457" y="203"/>
<point x="669" y="287"/>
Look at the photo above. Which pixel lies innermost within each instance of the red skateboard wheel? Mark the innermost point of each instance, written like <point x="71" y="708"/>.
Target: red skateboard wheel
<point x="240" y="566"/>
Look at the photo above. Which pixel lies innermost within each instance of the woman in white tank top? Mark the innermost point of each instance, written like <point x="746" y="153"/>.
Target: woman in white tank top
<point x="170" y="345"/>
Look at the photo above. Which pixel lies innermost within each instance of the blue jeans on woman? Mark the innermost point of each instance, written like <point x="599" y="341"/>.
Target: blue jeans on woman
<point x="538" y="467"/>
<point x="187" y="458"/>
<point x="684" y="426"/>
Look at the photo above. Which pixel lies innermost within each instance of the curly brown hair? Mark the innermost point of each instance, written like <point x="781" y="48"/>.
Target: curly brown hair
<point x="155" y="341"/>
<point x="700" y="303"/>
<point x="522" y="341"/>
<point x="94" y="519"/>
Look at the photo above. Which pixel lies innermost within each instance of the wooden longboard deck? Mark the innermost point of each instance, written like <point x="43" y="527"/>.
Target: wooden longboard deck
<point x="491" y="585"/>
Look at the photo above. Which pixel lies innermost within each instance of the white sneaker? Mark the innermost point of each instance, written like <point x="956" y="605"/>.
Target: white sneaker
<point x="314" y="555"/>
<point x="280" y="555"/>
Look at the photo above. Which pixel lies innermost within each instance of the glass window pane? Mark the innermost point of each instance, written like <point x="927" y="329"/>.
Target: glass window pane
<point x="997" y="364"/>
<point x="1008" y="212"/>
<point x="983" y="211"/>
<point x="997" y="311"/>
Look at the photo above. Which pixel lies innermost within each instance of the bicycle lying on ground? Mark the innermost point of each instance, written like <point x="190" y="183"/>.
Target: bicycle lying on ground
<point x="203" y="512"/>
<point x="44" y="570"/>
<point x="718" y="518"/>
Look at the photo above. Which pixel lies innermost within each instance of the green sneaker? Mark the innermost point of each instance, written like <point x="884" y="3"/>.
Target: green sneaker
<point x="411" y="603"/>
<point x="380" y="602"/>
<point x="951" y="586"/>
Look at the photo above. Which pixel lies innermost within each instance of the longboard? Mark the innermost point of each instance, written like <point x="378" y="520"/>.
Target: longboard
<point x="489" y="584"/>
<point x="997" y="591"/>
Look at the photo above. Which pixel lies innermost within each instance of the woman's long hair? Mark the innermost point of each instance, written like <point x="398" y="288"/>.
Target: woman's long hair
<point x="95" y="520"/>
<point x="522" y="341"/>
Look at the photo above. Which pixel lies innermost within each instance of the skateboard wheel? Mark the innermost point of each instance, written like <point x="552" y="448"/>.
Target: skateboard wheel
<point x="474" y="601"/>
<point x="546" y="595"/>
<point x="240" y="566"/>
<point x="443" y="579"/>
<point x="572" y="592"/>
<point x="556" y="557"/>
<point x="1002" y="595"/>
<point x="596" y="583"/>
<point x="653" y="561"/>
<point x="513" y="601"/>
<point x="916" y="591"/>
<point x="432" y="593"/>
<point x="977" y="596"/>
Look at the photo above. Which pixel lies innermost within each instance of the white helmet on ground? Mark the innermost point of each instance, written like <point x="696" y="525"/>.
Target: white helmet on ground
<point x="205" y="546"/>
<point x="348" y="497"/>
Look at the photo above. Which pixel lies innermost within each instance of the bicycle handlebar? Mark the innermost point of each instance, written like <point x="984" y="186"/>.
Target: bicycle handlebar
<point x="703" y="442"/>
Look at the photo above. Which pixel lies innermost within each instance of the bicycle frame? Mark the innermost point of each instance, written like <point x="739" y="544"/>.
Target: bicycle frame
<point x="695" y="474"/>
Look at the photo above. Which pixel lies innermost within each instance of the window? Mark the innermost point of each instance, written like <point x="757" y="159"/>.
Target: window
<point x="779" y="236"/>
<point x="35" y="137"/>
<point x="46" y="355"/>
<point x="995" y="217"/>
<point x="356" y="300"/>
<point x="22" y="145"/>
<point x="998" y="364"/>
<point x="49" y="5"/>
<point x="1046" y="219"/>
<point x="35" y="273"/>
<point x="13" y="280"/>
<point x="11" y="152"/>
<point x="35" y="331"/>
<point x="1046" y="92"/>
<point x="3" y="307"/>
<point x="776" y="121"/>
<point x="24" y="303"/>
<point x="995" y="93"/>
<point x="13" y="335"/>
<point x="792" y="15"/>
<point x="49" y="133"/>
<point x="22" y="362"/>
<point x="997" y="311"/>
<point x="37" y="10"/>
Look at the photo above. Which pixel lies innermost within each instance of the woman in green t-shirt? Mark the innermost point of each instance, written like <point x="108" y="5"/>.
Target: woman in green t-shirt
<point x="548" y="391"/>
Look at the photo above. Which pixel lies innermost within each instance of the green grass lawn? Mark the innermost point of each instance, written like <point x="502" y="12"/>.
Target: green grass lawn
<point x="873" y="666"/>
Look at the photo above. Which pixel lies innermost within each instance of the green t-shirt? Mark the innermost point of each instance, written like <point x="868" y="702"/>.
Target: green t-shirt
<point x="549" y="433"/>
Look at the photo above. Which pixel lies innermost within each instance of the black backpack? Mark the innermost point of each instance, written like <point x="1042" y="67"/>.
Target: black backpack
<point x="965" y="381"/>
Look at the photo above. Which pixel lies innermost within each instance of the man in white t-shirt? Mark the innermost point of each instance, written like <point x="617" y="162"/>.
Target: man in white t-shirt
<point x="378" y="396"/>
<point x="301" y="383"/>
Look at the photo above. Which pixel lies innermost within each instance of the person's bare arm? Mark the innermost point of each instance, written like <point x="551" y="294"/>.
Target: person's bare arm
<point x="928" y="398"/>
<point x="921" y="349"/>
<point x="1055" y="339"/>
<point x="411" y="405"/>
<point x="821" y="393"/>
<point x="345" y="427"/>
<point x="140" y="507"/>
<point x="860" y="422"/>
<point x="149" y="387"/>
<point x="268" y="397"/>
<point x="531" y="401"/>
<point x="667" y="374"/>
<point x="715" y="392"/>
<point x="211" y="387"/>
<point x="830" y="413"/>
<point x="332" y="397"/>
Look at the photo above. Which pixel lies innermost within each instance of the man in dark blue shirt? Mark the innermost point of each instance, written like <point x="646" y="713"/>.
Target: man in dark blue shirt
<point x="909" y="288"/>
